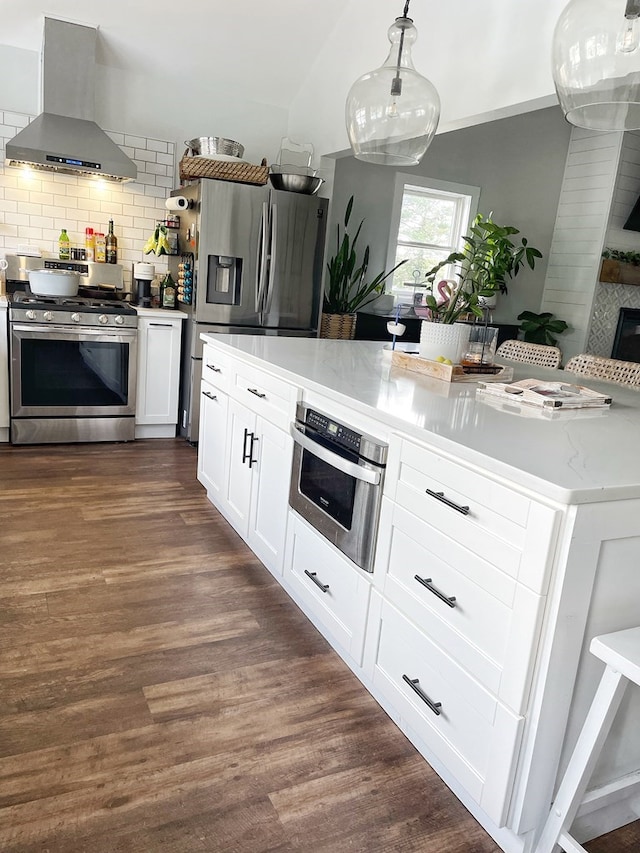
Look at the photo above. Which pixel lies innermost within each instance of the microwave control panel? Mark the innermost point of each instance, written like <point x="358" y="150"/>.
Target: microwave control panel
<point x="334" y="431"/>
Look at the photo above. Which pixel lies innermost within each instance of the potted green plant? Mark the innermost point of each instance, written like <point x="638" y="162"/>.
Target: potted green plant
<point x="489" y="258"/>
<point x="541" y="328"/>
<point x="348" y="288"/>
<point x="620" y="267"/>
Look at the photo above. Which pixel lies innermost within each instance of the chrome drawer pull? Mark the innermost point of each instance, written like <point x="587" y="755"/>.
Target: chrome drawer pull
<point x="210" y="395"/>
<point x="214" y="368"/>
<point x="256" y="392"/>
<point x="449" y="600"/>
<point x="323" y="586"/>
<point x="440" y="497"/>
<point x="414" y="685"/>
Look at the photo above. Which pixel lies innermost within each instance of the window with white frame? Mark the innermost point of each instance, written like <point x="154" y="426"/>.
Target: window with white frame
<point x="430" y="218"/>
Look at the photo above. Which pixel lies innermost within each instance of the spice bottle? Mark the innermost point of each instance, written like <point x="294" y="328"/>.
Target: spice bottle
<point x="101" y="247"/>
<point x="89" y="245"/>
<point x="64" y="246"/>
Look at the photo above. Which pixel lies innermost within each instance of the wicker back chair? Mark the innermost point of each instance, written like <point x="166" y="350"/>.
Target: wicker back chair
<point x="610" y="369"/>
<point x="538" y="354"/>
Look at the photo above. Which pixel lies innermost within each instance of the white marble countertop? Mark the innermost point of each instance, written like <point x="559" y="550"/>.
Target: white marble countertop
<point x="570" y="456"/>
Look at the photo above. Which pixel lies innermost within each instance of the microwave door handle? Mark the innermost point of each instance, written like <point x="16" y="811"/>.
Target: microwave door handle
<point x="273" y="247"/>
<point x="263" y="244"/>
<point x="351" y="468"/>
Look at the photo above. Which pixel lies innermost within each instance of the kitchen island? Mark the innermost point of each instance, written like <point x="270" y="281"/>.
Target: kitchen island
<point x="537" y="538"/>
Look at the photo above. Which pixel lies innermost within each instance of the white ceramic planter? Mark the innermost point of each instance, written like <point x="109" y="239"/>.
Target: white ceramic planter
<point x="448" y="340"/>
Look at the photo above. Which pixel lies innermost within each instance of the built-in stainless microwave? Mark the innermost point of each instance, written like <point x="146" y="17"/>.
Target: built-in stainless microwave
<point x="336" y="482"/>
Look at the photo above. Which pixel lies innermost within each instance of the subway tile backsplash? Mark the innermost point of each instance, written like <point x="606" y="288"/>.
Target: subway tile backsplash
<point x="35" y="206"/>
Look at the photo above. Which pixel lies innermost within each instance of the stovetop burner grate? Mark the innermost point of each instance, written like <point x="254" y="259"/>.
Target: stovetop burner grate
<point x="71" y="303"/>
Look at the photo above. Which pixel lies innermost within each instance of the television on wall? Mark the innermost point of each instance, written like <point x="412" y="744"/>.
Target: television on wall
<point x="633" y="220"/>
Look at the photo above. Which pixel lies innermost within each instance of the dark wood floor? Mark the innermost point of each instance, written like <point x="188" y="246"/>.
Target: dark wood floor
<point x="160" y="692"/>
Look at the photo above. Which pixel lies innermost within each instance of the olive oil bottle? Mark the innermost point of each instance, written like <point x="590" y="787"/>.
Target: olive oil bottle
<point x="111" y="245"/>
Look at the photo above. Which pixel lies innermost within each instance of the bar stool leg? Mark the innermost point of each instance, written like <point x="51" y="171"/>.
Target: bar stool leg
<point x="581" y="766"/>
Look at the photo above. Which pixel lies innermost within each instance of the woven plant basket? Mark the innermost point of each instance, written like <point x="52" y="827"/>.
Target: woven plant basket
<point x="338" y="326"/>
<point x="192" y="168"/>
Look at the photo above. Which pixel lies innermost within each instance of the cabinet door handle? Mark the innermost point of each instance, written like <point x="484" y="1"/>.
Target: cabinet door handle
<point x="209" y="395"/>
<point x="440" y="497"/>
<point x="414" y="684"/>
<point x="246" y="456"/>
<point x="449" y="600"/>
<point x="313" y="575"/>
<point x="161" y="325"/>
<point x="252" y="461"/>
<point x="214" y="368"/>
<point x="256" y="392"/>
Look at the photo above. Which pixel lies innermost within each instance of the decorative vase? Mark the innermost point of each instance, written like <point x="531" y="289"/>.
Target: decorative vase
<point x="339" y="326"/>
<point x="448" y="340"/>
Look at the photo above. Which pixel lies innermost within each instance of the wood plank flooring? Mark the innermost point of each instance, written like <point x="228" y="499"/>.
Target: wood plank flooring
<point x="159" y="692"/>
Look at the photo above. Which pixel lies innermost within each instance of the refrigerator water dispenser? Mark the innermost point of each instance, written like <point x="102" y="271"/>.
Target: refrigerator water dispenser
<point x="224" y="280"/>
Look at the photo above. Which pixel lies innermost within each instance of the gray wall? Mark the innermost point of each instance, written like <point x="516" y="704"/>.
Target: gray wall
<point x="518" y="163"/>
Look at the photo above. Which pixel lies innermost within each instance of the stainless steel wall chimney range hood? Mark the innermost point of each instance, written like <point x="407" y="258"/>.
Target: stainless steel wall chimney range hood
<point x="65" y="137"/>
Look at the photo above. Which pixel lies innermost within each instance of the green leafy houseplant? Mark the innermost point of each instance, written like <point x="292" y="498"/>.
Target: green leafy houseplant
<point x="622" y="257"/>
<point x="488" y="259"/>
<point x="541" y="328"/>
<point x="347" y="289"/>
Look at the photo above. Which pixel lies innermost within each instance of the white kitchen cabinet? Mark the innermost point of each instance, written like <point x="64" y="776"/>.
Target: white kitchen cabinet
<point x="463" y="562"/>
<point x="256" y="483"/>
<point x="159" y="340"/>
<point x="4" y="375"/>
<point x="241" y="458"/>
<point x="244" y="458"/>
<point x="330" y="589"/>
<point x="212" y="449"/>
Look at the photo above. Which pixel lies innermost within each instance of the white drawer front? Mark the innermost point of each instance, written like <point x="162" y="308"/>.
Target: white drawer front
<point x="473" y="735"/>
<point x="217" y="368"/>
<point x="268" y="396"/>
<point x="328" y="585"/>
<point x="490" y="628"/>
<point x="505" y="528"/>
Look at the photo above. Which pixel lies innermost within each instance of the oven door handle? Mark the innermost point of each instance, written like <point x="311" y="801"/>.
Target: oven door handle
<point x="367" y="475"/>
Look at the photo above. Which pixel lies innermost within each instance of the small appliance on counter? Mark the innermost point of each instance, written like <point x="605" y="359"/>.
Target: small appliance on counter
<point x="143" y="275"/>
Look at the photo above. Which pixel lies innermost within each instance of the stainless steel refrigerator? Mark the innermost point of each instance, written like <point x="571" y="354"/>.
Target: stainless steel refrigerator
<point x="257" y="257"/>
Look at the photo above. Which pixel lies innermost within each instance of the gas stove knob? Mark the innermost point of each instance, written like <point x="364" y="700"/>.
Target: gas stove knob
<point x="75" y="317"/>
<point x="48" y="315"/>
<point x="31" y="315"/>
<point x="103" y="319"/>
<point x="118" y="319"/>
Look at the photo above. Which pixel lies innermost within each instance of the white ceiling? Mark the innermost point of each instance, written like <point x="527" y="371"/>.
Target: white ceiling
<point x="257" y="69"/>
<point x="258" y="49"/>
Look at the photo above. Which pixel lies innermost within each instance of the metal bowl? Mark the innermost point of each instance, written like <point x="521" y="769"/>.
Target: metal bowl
<point x="305" y="184"/>
<point x="209" y="146"/>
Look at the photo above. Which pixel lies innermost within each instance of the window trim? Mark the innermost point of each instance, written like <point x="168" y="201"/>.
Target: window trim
<point x="403" y="180"/>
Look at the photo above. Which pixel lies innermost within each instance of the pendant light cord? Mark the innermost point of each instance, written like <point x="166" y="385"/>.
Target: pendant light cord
<point x="396" y="83"/>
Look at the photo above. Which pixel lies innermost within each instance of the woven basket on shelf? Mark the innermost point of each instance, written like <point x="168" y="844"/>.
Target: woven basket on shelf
<point x="192" y="168"/>
<point x="338" y="326"/>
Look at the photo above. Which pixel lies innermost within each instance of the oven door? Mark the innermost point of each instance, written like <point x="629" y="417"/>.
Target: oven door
<point x="337" y="493"/>
<point x="81" y="372"/>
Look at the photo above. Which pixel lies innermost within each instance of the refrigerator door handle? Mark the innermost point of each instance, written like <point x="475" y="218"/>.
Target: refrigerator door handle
<point x="272" y="262"/>
<point x="263" y="246"/>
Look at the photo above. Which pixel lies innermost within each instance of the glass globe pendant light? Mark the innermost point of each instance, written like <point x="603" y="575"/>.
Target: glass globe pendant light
<point x="596" y="63"/>
<point x="392" y="113"/>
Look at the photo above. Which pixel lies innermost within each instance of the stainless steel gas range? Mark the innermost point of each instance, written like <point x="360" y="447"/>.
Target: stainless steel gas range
<point x="72" y="368"/>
